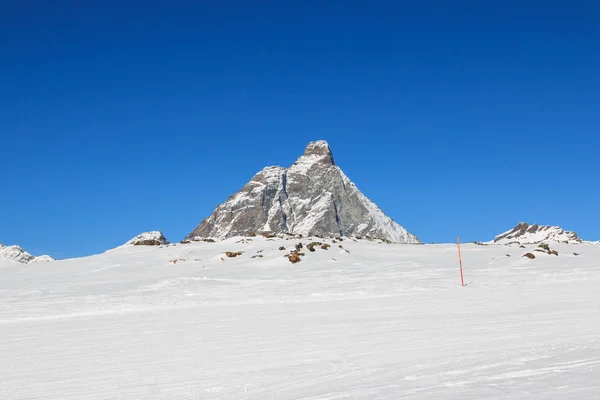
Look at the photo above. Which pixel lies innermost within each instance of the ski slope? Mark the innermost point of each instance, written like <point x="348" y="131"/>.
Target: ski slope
<point x="378" y="322"/>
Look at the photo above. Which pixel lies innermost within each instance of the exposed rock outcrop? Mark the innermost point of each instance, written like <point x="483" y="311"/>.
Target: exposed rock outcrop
<point x="153" y="238"/>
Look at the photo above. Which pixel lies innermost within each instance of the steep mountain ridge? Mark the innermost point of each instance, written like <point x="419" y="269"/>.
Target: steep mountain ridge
<point x="311" y="197"/>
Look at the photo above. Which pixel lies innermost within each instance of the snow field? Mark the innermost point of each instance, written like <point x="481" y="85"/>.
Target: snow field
<point x="380" y="322"/>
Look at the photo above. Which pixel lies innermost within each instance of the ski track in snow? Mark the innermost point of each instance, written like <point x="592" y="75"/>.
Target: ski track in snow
<point x="380" y="322"/>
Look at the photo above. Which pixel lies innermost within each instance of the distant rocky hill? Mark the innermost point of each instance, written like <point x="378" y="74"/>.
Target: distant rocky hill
<point x="152" y="238"/>
<point x="17" y="254"/>
<point x="312" y="197"/>
<point x="524" y="233"/>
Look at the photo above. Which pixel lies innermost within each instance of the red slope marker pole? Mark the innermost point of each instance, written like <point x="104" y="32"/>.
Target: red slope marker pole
<point x="462" y="280"/>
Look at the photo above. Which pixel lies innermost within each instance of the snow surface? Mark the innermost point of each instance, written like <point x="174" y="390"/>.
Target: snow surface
<point x="378" y="322"/>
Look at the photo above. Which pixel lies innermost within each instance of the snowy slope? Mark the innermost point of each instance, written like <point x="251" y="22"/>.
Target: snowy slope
<point x="378" y="322"/>
<point x="524" y="233"/>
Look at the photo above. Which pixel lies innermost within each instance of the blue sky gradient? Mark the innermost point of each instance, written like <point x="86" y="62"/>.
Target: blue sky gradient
<point x="456" y="118"/>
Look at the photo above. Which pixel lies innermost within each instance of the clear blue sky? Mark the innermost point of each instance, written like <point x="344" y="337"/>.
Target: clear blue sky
<point x="455" y="117"/>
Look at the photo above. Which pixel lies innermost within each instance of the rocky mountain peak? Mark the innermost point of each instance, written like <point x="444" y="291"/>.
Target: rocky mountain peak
<point x="311" y="197"/>
<point x="523" y="233"/>
<point x="320" y="152"/>
<point x="18" y="254"/>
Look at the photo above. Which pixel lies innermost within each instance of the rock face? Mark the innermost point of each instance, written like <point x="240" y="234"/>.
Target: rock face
<point x="312" y="197"/>
<point x="531" y="234"/>
<point x="153" y="238"/>
<point x="16" y="253"/>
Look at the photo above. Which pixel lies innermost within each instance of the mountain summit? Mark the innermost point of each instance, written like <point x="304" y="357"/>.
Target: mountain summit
<point x="321" y="150"/>
<point x="17" y="254"/>
<point x="312" y="197"/>
<point x="524" y="233"/>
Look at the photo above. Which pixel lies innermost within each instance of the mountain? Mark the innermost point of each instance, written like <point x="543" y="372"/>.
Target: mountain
<point x="17" y="254"/>
<point x="152" y="238"/>
<point x="524" y="233"/>
<point x="312" y="197"/>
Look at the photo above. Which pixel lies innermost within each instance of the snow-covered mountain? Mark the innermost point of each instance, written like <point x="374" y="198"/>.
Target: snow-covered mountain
<point x="524" y="233"/>
<point x="312" y="197"/>
<point x="17" y="254"/>
<point x="152" y="238"/>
